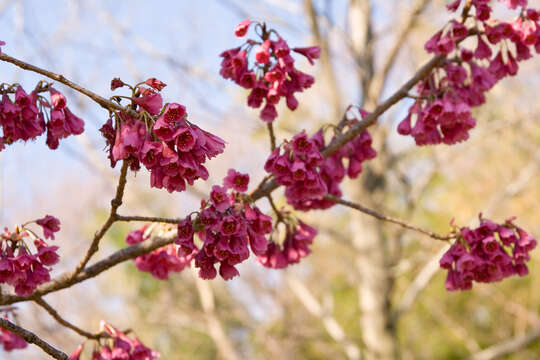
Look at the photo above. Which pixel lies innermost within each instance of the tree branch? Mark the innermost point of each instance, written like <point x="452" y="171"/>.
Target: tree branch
<point x="64" y="322"/>
<point x="66" y="280"/>
<point x="104" y="103"/>
<point x="32" y="338"/>
<point x="115" y="204"/>
<point x="147" y="219"/>
<point x="391" y="219"/>
<point x="507" y="347"/>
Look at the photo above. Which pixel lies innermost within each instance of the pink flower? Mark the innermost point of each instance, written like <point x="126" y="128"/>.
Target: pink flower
<point x="50" y="225"/>
<point x="2" y="43"/>
<point x="242" y="28"/>
<point x="151" y="102"/>
<point x="219" y="198"/>
<point x="269" y="113"/>
<point x="312" y="52"/>
<point x="155" y="83"/>
<point x="116" y="83"/>
<point x="236" y="181"/>
<point x="58" y="100"/>
<point x="262" y="55"/>
<point x="46" y="254"/>
<point x="76" y="355"/>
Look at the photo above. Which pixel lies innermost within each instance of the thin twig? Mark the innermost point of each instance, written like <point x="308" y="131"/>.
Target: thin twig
<point x="270" y="127"/>
<point x="147" y="219"/>
<point x="32" y="338"/>
<point x="379" y="80"/>
<point x="106" y="104"/>
<point x="508" y="347"/>
<point x="115" y="204"/>
<point x="63" y="321"/>
<point x="391" y="219"/>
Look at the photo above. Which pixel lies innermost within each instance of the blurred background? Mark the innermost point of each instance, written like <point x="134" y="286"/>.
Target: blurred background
<point x="369" y="290"/>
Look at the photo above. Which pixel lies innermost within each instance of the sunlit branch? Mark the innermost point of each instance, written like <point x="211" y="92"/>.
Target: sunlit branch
<point x="390" y="219"/>
<point x="115" y="204"/>
<point x="66" y="280"/>
<point x="106" y="104"/>
<point x="63" y="321"/>
<point x="32" y="338"/>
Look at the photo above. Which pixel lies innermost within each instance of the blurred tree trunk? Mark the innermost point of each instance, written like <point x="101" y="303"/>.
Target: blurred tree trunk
<point x="373" y="264"/>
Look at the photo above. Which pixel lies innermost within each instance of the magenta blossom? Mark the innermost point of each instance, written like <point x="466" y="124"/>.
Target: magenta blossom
<point x="50" y="225"/>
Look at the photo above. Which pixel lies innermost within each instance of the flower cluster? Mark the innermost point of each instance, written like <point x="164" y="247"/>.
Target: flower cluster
<point x="486" y="254"/>
<point x="116" y="345"/>
<point x="21" y="268"/>
<point x="441" y="112"/>
<point x="163" y="140"/>
<point x="298" y="238"/>
<point x="347" y="161"/>
<point x="160" y="262"/>
<point x="297" y="169"/>
<point x="272" y="75"/>
<point x="227" y="226"/>
<point x="27" y="116"/>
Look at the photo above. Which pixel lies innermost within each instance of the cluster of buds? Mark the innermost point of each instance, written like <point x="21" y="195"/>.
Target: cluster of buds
<point x="163" y="140"/>
<point x="298" y="237"/>
<point x="19" y="266"/>
<point x="489" y="253"/>
<point x="8" y="340"/>
<point x="116" y="345"/>
<point x="228" y="226"/>
<point x="27" y="116"/>
<point x="160" y="262"/>
<point x="297" y="168"/>
<point x="441" y="112"/>
<point x="272" y="75"/>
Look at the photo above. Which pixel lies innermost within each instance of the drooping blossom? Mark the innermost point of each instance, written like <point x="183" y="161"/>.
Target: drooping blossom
<point x="273" y="75"/>
<point x="50" y="225"/>
<point x="117" y="345"/>
<point x="228" y="227"/>
<point x="24" y="267"/>
<point x="442" y="110"/>
<point x="173" y="149"/>
<point x="296" y="168"/>
<point x="295" y="246"/>
<point x="23" y="117"/>
<point x="160" y="262"/>
<point x="488" y="253"/>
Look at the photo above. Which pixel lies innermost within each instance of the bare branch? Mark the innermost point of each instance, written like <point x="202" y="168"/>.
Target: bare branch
<point x="508" y="347"/>
<point x="147" y="219"/>
<point x="32" y="338"/>
<point x="104" y="103"/>
<point x="270" y="127"/>
<point x="64" y="322"/>
<point x="391" y="219"/>
<point x="66" y="280"/>
<point x="115" y="204"/>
